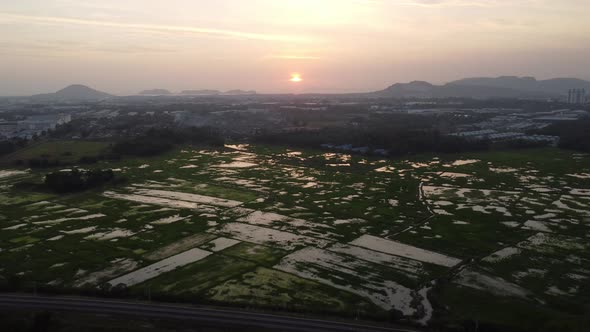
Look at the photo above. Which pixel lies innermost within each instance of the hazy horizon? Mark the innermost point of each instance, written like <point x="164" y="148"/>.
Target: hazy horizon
<point x="334" y="45"/>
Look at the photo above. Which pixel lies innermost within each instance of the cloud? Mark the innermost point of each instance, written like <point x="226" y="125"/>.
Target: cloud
<point x="47" y="48"/>
<point x="294" y="57"/>
<point x="451" y="3"/>
<point x="220" y="33"/>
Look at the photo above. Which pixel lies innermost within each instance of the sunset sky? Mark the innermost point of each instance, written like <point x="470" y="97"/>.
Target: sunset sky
<point x="124" y="46"/>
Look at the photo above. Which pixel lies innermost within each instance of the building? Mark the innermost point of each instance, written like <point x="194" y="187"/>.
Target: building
<point x="551" y="140"/>
<point x="508" y="136"/>
<point x="8" y="128"/>
<point x="576" y="96"/>
<point x="44" y="122"/>
<point x="478" y="134"/>
<point x="34" y="124"/>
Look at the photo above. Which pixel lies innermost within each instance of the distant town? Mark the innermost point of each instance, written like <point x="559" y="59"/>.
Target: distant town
<point x="239" y="114"/>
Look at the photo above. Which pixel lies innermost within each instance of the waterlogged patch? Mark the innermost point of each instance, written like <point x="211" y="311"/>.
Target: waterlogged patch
<point x="349" y="221"/>
<point x="289" y="224"/>
<point x="580" y="192"/>
<point x="404" y="250"/>
<point x="293" y="153"/>
<point x="60" y="220"/>
<point x="179" y="246"/>
<point x="219" y="244"/>
<point x="400" y="263"/>
<point x="113" y="234"/>
<point x="157" y="201"/>
<point x="455" y="175"/>
<point x="263" y="218"/>
<point x="8" y="173"/>
<point x="118" y="267"/>
<point x="502" y="254"/>
<point x="239" y="147"/>
<point x="81" y="230"/>
<point x="553" y="243"/>
<point x="14" y="227"/>
<point x="536" y="225"/>
<point x="488" y="283"/>
<point x="169" y="220"/>
<point x="385" y="169"/>
<point x="464" y="162"/>
<point x="163" y="266"/>
<point x="503" y="169"/>
<point x="349" y="274"/>
<point x="195" y="198"/>
<point x="268" y="236"/>
<point x="236" y="164"/>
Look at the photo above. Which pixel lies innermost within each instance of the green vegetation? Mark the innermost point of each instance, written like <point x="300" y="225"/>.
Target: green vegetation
<point x="271" y="288"/>
<point x="500" y="233"/>
<point x="77" y="180"/>
<point x="398" y="141"/>
<point x="573" y="134"/>
<point x="55" y="153"/>
<point x="157" y="141"/>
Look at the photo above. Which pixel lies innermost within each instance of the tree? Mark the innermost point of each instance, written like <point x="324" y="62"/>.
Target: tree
<point x="76" y="180"/>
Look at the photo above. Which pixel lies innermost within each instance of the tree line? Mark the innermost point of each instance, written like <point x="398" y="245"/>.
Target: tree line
<point x="397" y="142"/>
<point x="574" y="135"/>
<point x="159" y="140"/>
<point x="77" y="180"/>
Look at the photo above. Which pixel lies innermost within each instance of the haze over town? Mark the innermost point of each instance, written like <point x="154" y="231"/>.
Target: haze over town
<point x="335" y="46"/>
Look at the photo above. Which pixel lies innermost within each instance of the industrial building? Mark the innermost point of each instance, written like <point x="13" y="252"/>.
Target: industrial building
<point x="576" y="96"/>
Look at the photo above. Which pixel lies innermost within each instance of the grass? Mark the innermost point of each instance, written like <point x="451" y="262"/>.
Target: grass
<point x="24" y="240"/>
<point x="266" y="287"/>
<point x="66" y="152"/>
<point x="226" y="191"/>
<point x="262" y="255"/>
<point x="502" y="313"/>
<point x="199" y="276"/>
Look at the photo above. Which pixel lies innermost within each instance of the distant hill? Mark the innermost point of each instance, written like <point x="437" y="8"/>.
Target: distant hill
<point x="73" y="92"/>
<point x="158" y="92"/>
<point x="240" y="92"/>
<point x="486" y="87"/>
<point x="200" y="92"/>
<point x="418" y="89"/>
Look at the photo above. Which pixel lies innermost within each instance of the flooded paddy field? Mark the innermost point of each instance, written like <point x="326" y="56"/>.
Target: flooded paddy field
<point x="296" y="229"/>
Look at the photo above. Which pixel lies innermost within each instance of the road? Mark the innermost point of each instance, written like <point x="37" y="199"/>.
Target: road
<point x="206" y="316"/>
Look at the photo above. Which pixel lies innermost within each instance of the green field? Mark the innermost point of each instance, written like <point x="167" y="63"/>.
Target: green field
<point x="65" y="152"/>
<point x="442" y="240"/>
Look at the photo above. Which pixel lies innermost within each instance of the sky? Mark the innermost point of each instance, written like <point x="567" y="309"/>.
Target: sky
<point x="124" y="46"/>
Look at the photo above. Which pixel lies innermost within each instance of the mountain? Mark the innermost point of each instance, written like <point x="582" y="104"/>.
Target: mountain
<point x="200" y="92"/>
<point x="155" y="92"/>
<point x="486" y="87"/>
<point x="73" y="92"/>
<point x="419" y="89"/>
<point x="557" y="86"/>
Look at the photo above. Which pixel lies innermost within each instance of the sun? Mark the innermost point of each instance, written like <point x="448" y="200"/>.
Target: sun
<point x="296" y="78"/>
